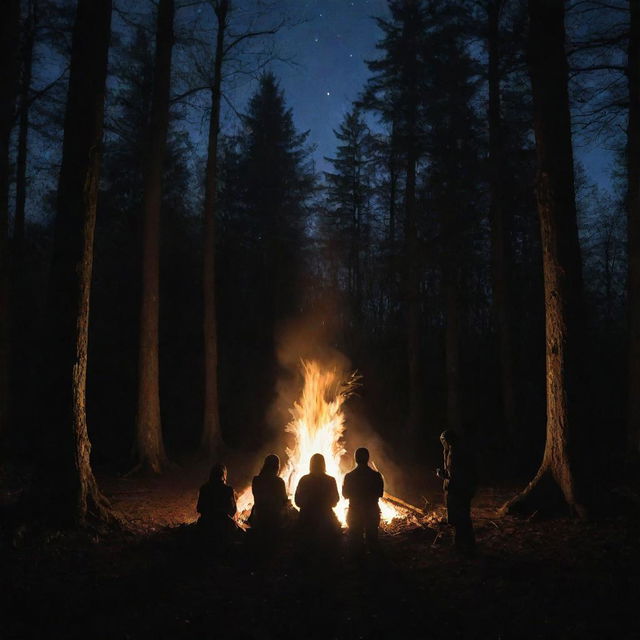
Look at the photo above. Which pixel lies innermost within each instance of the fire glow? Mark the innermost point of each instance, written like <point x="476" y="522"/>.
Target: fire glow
<point x="317" y="426"/>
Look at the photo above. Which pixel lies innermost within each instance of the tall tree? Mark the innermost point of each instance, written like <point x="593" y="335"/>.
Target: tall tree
<point x="497" y="215"/>
<point x="211" y="435"/>
<point x="349" y="192"/>
<point x="149" y="441"/>
<point x="66" y="471"/>
<point x="394" y="91"/>
<point x="633" y="231"/>
<point x="262" y="247"/>
<point x="26" y="70"/>
<point x="561" y="463"/>
<point x="452" y="144"/>
<point x="8" y="88"/>
<point x="226" y="45"/>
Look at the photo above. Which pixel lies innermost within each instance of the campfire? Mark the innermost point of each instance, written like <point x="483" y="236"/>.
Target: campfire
<point x="317" y="426"/>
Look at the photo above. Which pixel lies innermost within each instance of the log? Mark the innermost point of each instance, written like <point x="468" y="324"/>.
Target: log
<point x="398" y="502"/>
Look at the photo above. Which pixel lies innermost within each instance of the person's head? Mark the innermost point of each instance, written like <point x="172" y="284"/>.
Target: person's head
<point x="218" y="473"/>
<point x="448" y="438"/>
<point x="362" y="456"/>
<point x="271" y="465"/>
<point x="317" y="463"/>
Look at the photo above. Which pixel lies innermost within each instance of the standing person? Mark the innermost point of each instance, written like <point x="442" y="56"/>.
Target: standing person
<point x="270" y="498"/>
<point x="217" y="506"/>
<point x="363" y="487"/>
<point x="316" y="496"/>
<point x="459" y="486"/>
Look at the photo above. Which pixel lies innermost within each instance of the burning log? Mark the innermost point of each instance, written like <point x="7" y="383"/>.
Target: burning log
<point x="398" y="502"/>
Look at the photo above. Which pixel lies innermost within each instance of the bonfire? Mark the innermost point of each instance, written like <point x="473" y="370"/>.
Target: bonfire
<point x="317" y="426"/>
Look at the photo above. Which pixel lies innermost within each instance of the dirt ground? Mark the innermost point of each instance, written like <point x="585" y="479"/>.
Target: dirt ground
<point x="531" y="579"/>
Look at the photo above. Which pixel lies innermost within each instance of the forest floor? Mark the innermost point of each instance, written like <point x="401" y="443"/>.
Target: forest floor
<point x="530" y="579"/>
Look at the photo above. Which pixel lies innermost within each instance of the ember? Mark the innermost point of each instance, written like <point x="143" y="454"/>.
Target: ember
<point x="318" y="425"/>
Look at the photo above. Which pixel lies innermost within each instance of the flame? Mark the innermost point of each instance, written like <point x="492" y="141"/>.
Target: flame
<point x="317" y="426"/>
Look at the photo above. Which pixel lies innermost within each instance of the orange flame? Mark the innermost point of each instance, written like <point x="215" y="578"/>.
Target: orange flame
<point x="317" y="425"/>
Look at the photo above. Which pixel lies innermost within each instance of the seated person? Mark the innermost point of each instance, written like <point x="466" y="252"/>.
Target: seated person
<point x="316" y="496"/>
<point x="217" y="505"/>
<point x="270" y="498"/>
<point x="362" y="487"/>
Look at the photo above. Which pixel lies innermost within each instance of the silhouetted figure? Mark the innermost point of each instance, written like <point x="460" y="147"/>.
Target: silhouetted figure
<point x="217" y="506"/>
<point x="270" y="498"/>
<point x="363" y="487"/>
<point x="316" y="495"/>
<point x="459" y="486"/>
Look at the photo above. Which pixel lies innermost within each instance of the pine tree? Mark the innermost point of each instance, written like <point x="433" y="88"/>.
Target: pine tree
<point x="394" y="91"/>
<point x="349" y="196"/>
<point x="266" y="184"/>
<point x="452" y="142"/>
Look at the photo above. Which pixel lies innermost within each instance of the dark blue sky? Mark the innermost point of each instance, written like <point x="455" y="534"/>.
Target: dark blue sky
<point x="328" y="50"/>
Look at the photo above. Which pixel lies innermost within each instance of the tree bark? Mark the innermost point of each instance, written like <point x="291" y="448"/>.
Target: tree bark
<point x="562" y="461"/>
<point x="211" y="439"/>
<point x="67" y="484"/>
<point x="9" y="30"/>
<point x="149" y="442"/>
<point x="500" y="254"/>
<point x="633" y="231"/>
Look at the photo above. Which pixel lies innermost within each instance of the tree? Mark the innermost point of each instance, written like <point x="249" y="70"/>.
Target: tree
<point x="262" y="247"/>
<point x="451" y="141"/>
<point x="394" y="91"/>
<point x="149" y="442"/>
<point x="8" y="88"/>
<point x="28" y="39"/>
<point x="633" y="232"/>
<point x="230" y="46"/>
<point x="497" y="215"/>
<point x="66" y="471"/>
<point x="349" y="194"/>
<point x="561" y="463"/>
<point x="211" y="435"/>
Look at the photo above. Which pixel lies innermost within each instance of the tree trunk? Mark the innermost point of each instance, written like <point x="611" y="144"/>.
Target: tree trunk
<point x="562" y="461"/>
<point x="9" y="30"/>
<point x="499" y="237"/>
<point x="67" y="488"/>
<point x="211" y="435"/>
<point x="633" y="230"/>
<point x="149" y="443"/>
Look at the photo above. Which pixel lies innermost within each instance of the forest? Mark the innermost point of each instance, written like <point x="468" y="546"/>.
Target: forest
<point x="188" y="280"/>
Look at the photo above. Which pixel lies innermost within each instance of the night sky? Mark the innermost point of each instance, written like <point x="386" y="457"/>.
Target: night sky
<point x="328" y="50"/>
